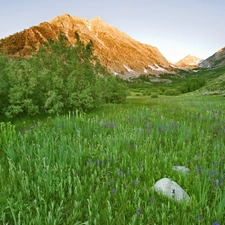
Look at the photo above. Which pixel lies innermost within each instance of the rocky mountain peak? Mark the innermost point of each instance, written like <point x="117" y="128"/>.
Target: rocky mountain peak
<point x="118" y="52"/>
<point x="188" y="61"/>
<point x="96" y="19"/>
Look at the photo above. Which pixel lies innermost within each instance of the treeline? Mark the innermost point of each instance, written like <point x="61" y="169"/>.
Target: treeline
<point x="58" y="78"/>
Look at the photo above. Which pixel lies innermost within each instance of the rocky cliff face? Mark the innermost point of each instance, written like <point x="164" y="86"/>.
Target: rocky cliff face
<point x="189" y="61"/>
<point x="216" y="60"/>
<point x="118" y="52"/>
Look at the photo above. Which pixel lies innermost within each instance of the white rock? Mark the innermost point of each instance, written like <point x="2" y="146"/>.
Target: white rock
<point x="171" y="189"/>
<point x="182" y="169"/>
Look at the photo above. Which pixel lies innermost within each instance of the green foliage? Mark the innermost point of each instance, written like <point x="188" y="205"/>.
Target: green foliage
<point x="115" y="90"/>
<point x="5" y="67"/>
<point x="192" y="84"/>
<point x="172" y="92"/>
<point x="147" y="92"/>
<point x="154" y="96"/>
<point x="57" y="78"/>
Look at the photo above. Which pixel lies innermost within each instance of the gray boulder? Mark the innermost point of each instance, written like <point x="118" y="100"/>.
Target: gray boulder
<point x="182" y="169"/>
<point x="171" y="189"/>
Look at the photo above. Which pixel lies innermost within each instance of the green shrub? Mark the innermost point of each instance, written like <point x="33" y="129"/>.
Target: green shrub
<point x="154" y="96"/>
<point x="113" y="89"/>
<point x="192" y="84"/>
<point x="172" y="92"/>
<point x="147" y="92"/>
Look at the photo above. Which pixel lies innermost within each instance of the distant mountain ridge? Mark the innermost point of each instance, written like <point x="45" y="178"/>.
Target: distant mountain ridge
<point x="189" y="61"/>
<point x="118" y="52"/>
<point x="215" y="60"/>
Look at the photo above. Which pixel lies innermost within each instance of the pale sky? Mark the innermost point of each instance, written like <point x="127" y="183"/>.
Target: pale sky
<point x="176" y="27"/>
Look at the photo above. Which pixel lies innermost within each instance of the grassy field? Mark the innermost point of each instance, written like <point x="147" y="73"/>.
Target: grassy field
<point x="99" y="168"/>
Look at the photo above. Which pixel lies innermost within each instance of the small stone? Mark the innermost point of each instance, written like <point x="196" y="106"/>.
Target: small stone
<point x="182" y="169"/>
<point x="171" y="189"/>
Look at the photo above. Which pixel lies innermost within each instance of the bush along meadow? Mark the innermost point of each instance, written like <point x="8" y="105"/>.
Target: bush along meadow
<point x="100" y="168"/>
<point x="56" y="79"/>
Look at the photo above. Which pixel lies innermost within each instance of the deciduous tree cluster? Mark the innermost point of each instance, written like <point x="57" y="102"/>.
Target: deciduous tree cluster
<point x="58" y="78"/>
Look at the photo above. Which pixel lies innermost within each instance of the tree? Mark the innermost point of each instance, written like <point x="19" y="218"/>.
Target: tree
<point x="58" y="78"/>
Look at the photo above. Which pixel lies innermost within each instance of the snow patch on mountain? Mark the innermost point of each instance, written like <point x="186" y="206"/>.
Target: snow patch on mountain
<point x="127" y="68"/>
<point x="157" y="68"/>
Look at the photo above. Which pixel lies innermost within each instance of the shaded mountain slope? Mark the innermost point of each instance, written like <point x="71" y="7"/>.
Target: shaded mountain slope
<point x="216" y="60"/>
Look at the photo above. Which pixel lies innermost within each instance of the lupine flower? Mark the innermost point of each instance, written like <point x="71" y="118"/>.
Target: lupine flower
<point x="198" y="170"/>
<point x="120" y="172"/>
<point x="110" y="182"/>
<point x="215" y="223"/>
<point x="220" y="180"/>
<point x="131" y="145"/>
<point x="138" y="212"/>
<point x="135" y="182"/>
<point x="199" y="218"/>
<point x="114" y="190"/>
<point x="151" y="200"/>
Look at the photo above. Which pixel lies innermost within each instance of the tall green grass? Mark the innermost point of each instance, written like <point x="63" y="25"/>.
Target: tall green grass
<point x="99" y="168"/>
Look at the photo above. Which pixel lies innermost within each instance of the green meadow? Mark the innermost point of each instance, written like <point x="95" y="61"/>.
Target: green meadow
<point x="99" y="167"/>
<point x="81" y="146"/>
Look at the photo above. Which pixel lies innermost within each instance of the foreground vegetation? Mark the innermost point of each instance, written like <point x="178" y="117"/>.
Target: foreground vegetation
<point x="99" y="168"/>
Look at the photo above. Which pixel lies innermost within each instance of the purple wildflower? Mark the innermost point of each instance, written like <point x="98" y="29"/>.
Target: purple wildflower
<point x="110" y="182"/>
<point x="151" y="200"/>
<point x="114" y="190"/>
<point x="135" y="182"/>
<point x="215" y="223"/>
<point x="138" y="212"/>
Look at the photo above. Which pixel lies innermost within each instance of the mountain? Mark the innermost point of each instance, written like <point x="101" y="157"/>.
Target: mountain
<point x="216" y="60"/>
<point x="189" y="61"/>
<point x="118" y="52"/>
